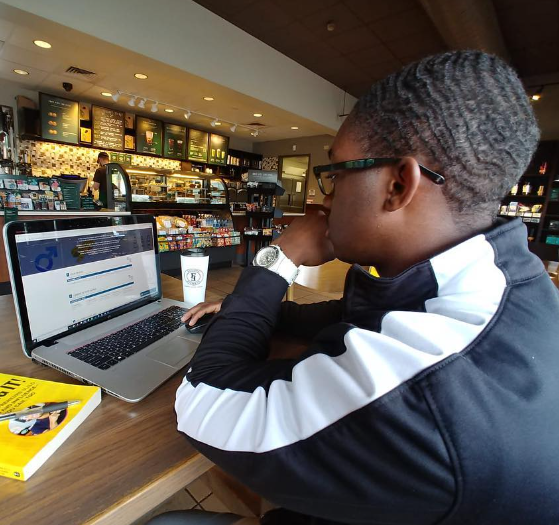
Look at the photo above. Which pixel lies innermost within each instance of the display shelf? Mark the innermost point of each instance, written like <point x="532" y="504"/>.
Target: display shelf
<point x="261" y="195"/>
<point x="183" y="187"/>
<point x="260" y="236"/>
<point x="260" y="214"/>
<point x="541" y="172"/>
<point x="193" y="212"/>
<point x="529" y="197"/>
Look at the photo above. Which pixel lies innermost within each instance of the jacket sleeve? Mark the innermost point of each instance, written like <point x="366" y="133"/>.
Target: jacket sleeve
<point x="306" y="320"/>
<point x="314" y="434"/>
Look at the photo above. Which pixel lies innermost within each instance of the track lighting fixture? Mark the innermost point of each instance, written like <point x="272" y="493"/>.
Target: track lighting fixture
<point x="135" y="100"/>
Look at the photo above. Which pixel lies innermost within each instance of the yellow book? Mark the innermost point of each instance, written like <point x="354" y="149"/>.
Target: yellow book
<point x="28" y="440"/>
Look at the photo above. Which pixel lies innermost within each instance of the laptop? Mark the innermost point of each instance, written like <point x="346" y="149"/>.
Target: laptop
<point x="87" y="293"/>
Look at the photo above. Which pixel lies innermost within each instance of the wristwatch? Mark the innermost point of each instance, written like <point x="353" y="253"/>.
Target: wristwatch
<point x="273" y="258"/>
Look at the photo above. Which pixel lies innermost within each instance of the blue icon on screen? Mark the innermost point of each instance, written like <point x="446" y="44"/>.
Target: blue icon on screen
<point x="45" y="261"/>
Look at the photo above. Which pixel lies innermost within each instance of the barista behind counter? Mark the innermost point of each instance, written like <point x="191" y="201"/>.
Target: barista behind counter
<point x="100" y="177"/>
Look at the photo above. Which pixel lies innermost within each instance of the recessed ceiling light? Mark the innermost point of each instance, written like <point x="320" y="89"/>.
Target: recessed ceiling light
<point x="209" y="99"/>
<point x="294" y="127"/>
<point x="106" y="94"/>
<point x="21" y="72"/>
<point x="42" y="43"/>
<point x="257" y="114"/>
<point x="169" y="110"/>
<point x="140" y="76"/>
<point x="218" y="123"/>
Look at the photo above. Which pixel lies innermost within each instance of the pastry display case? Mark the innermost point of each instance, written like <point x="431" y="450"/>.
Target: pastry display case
<point x="191" y="209"/>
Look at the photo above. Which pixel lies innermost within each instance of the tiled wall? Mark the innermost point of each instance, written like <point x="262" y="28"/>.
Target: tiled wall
<point x="270" y="163"/>
<point x="50" y="159"/>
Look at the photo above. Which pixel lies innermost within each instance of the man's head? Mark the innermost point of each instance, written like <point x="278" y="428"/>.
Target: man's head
<point x="462" y="114"/>
<point x="103" y="158"/>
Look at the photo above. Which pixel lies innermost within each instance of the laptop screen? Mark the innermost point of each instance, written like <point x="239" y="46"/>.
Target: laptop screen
<point x="72" y="278"/>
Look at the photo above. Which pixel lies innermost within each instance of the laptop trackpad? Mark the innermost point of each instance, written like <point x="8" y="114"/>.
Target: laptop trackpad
<point x="177" y="353"/>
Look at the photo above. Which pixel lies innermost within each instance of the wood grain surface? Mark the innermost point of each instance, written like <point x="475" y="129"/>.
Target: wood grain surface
<point x="122" y="461"/>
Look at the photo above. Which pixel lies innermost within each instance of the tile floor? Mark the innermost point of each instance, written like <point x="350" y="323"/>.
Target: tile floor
<point x="197" y="495"/>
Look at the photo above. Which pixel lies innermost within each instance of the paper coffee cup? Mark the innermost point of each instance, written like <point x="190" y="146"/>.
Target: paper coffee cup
<point x="194" y="269"/>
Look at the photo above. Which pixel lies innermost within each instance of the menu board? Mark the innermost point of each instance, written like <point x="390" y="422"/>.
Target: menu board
<point x="59" y="119"/>
<point x="149" y="136"/>
<point x="108" y="128"/>
<point x="198" y="145"/>
<point x="218" y="149"/>
<point x="175" y="142"/>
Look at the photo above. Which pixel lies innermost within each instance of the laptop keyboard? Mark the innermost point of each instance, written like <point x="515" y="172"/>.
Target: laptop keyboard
<point x="116" y="347"/>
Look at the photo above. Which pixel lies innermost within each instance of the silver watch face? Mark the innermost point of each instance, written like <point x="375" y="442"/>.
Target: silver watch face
<point x="267" y="256"/>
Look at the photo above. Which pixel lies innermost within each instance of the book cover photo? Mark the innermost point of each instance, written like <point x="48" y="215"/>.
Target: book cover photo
<point x="36" y="417"/>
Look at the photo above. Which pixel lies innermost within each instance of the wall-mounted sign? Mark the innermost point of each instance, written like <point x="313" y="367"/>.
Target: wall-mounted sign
<point x="149" y="136"/>
<point x="108" y="128"/>
<point x="218" y="149"/>
<point x="121" y="158"/>
<point x="174" y="146"/>
<point x="262" y="176"/>
<point x="198" y="145"/>
<point x="59" y="119"/>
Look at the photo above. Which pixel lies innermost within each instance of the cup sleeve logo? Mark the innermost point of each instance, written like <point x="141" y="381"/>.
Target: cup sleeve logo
<point x="193" y="277"/>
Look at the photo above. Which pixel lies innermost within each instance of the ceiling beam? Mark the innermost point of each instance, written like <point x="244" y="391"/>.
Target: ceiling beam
<point x="467" y="24"/>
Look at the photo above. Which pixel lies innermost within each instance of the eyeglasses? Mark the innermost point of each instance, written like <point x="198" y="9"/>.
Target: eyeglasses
<point x="325" y="177"/>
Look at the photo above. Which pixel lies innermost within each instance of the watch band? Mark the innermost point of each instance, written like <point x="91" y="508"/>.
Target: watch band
<point x="283" y="266"/>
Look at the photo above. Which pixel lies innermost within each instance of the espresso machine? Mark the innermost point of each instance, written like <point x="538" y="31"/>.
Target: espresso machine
<point x="7" y="140"/>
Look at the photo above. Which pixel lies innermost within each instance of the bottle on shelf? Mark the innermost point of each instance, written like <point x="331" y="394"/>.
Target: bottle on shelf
<point x="541" y="189"/>
<point x="526" y="188"/>
<point x="514" y="190"/>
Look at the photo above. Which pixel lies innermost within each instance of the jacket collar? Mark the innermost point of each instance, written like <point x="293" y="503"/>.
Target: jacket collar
<point x="367" y="298"/>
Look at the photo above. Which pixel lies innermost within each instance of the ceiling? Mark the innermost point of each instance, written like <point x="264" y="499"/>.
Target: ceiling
<point x="373" y="38"/>
<point x="370" y="39"/>
<point x="114" y="69"/>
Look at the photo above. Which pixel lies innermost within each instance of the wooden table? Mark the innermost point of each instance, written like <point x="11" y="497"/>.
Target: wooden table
<point x="123" y="460"/>
<point x="328" y="277"/>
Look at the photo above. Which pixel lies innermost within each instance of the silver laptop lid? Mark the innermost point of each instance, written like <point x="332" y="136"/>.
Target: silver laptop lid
<point x="69" y="274"/>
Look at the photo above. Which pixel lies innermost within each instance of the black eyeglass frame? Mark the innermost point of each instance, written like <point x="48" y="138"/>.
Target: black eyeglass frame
<point x="360" y="164"/>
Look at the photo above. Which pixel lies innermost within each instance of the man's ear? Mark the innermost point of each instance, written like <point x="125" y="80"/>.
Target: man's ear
<point x="403" y="184"/>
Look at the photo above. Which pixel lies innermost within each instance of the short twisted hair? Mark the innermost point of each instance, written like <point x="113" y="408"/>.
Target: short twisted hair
<point x="465" y="112"/>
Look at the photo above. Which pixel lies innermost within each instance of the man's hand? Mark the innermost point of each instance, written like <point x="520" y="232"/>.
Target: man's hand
<point x="305" y="241"/>
<point x="210" y="307"/>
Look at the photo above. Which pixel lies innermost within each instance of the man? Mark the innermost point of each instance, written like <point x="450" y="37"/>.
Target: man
<point x="429" y="395"/>
<point x="100" y="177"/>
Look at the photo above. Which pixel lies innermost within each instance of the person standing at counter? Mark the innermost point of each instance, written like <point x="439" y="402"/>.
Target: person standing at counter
<point x="429" y="395"/>
<point x="100" y="177"/>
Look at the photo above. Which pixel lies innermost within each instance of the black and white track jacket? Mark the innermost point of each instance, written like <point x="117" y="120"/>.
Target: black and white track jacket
<point x="428" y="398"/>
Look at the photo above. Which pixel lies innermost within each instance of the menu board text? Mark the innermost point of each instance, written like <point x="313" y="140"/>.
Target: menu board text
<point x="108" y="128"/>
<point x="59" y="119"/>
